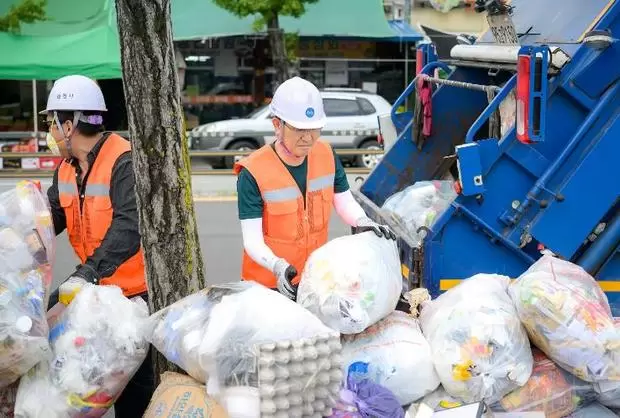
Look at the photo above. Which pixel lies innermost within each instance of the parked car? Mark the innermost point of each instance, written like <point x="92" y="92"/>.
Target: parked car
<point x="351" y="123"/>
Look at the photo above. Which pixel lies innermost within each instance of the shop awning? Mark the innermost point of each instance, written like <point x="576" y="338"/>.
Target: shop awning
<point x="404" y="32"/>
<point x="81" y="36"/>
<point x="337" y="18"/>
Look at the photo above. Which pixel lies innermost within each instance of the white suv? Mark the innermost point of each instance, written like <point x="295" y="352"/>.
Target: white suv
<point x="351" y="123"/>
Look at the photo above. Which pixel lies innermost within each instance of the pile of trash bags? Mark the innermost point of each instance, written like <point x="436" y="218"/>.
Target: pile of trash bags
<point x="544" y="343"/>
<point x="27" y="241"/>
<point x="259" y="353"/>
<point x="97" y="344"/>
<point x="352" y="282"/>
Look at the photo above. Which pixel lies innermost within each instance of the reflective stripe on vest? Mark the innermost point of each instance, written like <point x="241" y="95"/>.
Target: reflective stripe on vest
<point x="293" y="192"/>
<point x="292" y="228"/>
<point x="88" y="225"/>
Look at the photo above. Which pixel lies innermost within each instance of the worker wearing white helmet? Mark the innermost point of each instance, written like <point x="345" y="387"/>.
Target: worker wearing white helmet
<point x="92" y="196"/>
<point x="286" y="191"/>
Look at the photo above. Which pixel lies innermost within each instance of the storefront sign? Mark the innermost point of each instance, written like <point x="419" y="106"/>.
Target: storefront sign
<point x="336" y="73"/>
<point x="321" y="48"/>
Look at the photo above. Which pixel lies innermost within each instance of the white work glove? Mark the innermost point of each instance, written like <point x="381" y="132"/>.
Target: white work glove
<point x="285" y="273"/>
<point x="70" y="288"/>
<point x="366" y="224"/>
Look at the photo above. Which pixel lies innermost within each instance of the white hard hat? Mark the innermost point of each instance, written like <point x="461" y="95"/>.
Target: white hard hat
<point x="298" y="102"/>
<point x="75" y="93"/>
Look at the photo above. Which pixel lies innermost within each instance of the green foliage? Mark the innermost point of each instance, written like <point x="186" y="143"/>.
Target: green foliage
<point x="26" y="11"/>
<point x="291" y="41"/>
<point x="265" y="8"/>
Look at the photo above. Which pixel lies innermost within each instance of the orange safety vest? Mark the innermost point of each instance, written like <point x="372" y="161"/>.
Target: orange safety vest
<point x="88" y="226"/>
<point x="292" y="229"/>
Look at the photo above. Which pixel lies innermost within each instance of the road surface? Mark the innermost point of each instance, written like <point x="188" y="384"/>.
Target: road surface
<point x="218" y="227"/>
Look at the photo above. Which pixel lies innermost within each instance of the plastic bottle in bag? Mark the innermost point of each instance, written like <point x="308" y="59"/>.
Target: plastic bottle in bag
<point x="26" y="249"/>
<point x="352" y="282"/>
<point x="567" y="316"/>
<point x="253" y="346"/>
<point x="550" y="389"/>
<point x="480" y="350"/>
<point x="418" y="206"/>
<point x="399" y="356"/>
<point x="98" y="342"/>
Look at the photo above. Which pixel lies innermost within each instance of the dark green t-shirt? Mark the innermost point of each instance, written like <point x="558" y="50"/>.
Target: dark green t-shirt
<point x="250" y="201"/>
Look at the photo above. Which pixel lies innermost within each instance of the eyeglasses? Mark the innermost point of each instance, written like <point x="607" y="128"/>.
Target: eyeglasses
<point x="314" y="133"/>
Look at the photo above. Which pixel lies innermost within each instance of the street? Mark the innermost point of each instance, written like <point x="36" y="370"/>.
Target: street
<point x="218" y="227"/>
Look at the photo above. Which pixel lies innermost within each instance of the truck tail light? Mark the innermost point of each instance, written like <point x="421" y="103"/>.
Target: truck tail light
<point x="523" y="98"/>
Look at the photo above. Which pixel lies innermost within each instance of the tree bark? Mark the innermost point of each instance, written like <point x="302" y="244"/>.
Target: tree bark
<point x="278" y="49"/>
<point x="174" y="264"/>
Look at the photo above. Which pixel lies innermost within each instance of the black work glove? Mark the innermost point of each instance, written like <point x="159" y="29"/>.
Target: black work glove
<point x="367" y="224"/>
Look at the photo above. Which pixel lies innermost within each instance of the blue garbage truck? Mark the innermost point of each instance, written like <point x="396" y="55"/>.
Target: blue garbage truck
<point x="526" y="120"/>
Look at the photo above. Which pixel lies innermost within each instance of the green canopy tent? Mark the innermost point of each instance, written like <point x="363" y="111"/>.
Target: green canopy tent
<point x="81" y="37"/>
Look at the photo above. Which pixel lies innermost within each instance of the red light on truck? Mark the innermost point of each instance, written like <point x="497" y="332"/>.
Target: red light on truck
<point x="523" y="93"/>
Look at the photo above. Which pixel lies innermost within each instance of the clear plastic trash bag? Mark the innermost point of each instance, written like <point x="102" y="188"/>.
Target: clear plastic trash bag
<point x="245" y="338"/>
<point x="595" y="410"/>
<point x="27" y="241"/>
<point x="480" y="350"/>
<point x="98" y="343"/>
<point x="398" y="355"/>
<point x="417" y="207"/>
<point x="567" y="316"/>
<point x="608" y="394"/>
<point x="550" y="389"/>
<point x="352" y="282"/>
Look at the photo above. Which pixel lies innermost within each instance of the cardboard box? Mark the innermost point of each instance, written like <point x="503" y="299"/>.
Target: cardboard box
<point x="180" y="396"/>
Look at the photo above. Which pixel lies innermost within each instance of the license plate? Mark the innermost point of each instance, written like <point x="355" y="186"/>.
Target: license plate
<point x="503" y="29"/>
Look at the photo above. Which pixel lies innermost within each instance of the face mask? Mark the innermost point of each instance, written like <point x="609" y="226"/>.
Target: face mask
<point x="51" y="144"/>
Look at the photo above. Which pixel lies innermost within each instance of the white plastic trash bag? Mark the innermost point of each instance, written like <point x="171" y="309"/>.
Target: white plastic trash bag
<point x="480" y="350"/>
<point x="26" y="251"/>
<point x="352" y="282"/>
<point x="608" y="394"/>
<point x="568" y="317"/>
<point x="594" y="410"/>
<point x="417" y="207"/>
<point x="250" y="345"/>
<point x="98" y="343"/>
<point x="398" y="355"/>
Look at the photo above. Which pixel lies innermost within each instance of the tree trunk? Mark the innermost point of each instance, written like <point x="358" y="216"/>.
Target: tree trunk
<point x="278" y="49"/>
<point x="174" y="264"/>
